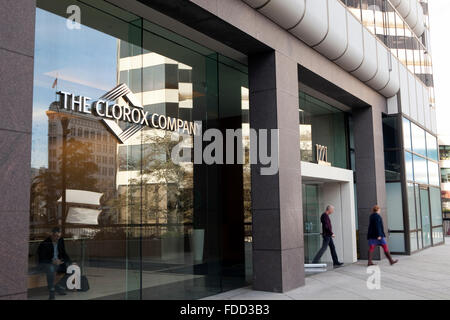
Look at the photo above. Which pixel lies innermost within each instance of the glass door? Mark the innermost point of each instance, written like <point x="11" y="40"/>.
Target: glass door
<point x="425" y="210"/>
<point x="311" y="220"/>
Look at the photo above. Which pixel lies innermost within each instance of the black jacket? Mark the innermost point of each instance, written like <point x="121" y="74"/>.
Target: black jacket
<point x="375" y="227"/>
<point x="327" y="229"/>
<point x="45" y="251"/>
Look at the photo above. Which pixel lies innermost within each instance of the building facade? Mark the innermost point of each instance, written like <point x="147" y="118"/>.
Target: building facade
<point x="444" y="164"/>
<point x="97" y="95"/>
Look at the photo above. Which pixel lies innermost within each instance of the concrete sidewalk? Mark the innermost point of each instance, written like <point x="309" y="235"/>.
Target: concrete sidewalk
<point x="425" y="275"/>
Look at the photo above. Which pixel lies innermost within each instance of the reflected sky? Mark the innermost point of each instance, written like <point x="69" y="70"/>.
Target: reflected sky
<point x="84" y="61"/>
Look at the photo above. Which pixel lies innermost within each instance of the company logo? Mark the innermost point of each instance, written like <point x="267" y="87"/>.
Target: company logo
<point x="220" y="146"/>
<point x="132" y="112"/>
<point x="322" y="155"/>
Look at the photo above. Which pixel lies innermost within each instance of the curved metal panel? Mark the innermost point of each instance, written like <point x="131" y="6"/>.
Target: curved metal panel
<point x="404" y="90"/>
<point x="354" y="55"/>
<point x="314" y="26"/>
<point x="412" y="96"/>
<point x="420" y="106"/>
<point x="426" y="104"/>
<point x="335" y="42"/>
<point x="286" y="13"/>
<point x="256" y="3"/>
<point x="412" y="12"/>
<point x="404" y="7"/>
<point x="368" y="68"/>
<point x="411" y="19"/>
<point x="393" y="86"/>
<point x="419" y="29"/>
<point x="382" y="76"/>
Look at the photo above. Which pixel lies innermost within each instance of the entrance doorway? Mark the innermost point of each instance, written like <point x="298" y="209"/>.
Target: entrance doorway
<point x="311" y="220"/>
<point x="322" y="186"/>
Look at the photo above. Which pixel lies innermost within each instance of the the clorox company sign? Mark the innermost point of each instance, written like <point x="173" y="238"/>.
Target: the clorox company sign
<point x="132" y="112"/>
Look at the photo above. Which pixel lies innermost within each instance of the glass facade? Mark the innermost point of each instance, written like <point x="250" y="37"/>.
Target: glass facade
<point x="322" y="125"/>
<point x="382" y="19"/>
<point x="412" y="185"/>
<point x="138" y="224"/>
<point x="312" y="204"/>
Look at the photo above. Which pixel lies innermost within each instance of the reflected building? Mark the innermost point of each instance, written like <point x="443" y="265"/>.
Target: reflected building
<point x="163" y="86"/>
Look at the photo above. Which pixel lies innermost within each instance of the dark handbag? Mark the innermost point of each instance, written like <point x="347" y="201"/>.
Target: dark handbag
<point x="84" y="284"/>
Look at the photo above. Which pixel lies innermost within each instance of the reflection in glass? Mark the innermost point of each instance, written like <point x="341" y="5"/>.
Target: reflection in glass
<point x="432" y="151"/>
<point x="418" y="140"/>
<point x="409" y="166"/>
<point x="397" y="242"/>
<point x="438" y="235"/>
<point x="411" y="206"/>
<point x="311" y="220"/>
<point x="392" y="165"/>
<point x="394" y="205"/>
<point x="436" y="209"/>
<point x="419" y="238"/>
<point x="426" y="224"/>
<point x="390" y="132"/>
<point x="138" y="224"/>
<point x="323" y="124"/>
<point x="413" y="241"/>
<point x="420" y="170"/>
<point x="433" y="173"/>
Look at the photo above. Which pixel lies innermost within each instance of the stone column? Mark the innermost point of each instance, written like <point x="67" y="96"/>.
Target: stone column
<point x="16" y="96"/>
<point x="370" y="177"/>
<point x="278" y="252"/>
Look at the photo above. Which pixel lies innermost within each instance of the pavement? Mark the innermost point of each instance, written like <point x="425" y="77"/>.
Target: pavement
<point x="422" y="276"/>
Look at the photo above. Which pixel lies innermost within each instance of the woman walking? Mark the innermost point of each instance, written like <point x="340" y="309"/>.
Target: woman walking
<point x="376" y="236"/>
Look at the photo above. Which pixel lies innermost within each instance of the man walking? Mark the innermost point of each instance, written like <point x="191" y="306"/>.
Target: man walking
<point x="328" y="235"/>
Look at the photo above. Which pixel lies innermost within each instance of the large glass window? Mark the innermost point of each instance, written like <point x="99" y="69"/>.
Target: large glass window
<point x="432" y="151"/>
<point x="438" y="235"/>
<point x="413" y="241"/>
<point x="392" y="165"/>
<point x="138" y="224"/>
<point x="394" y="206"/>
<point x="426" y="223"/>
<point x="420" y="170"/>
<point x="418" y="140"/>
<point x="409" y="166"/>
<point x="433" y="173"/>
<point x="436" y="211"/>
<point x="312" y="194"/>
<point x="397" y="242"/>
<point x="411" y="206"/>
<point x="324" y="125"/>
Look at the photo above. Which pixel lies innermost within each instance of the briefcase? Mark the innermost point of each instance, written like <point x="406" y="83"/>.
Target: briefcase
<point x="84" y="284"/>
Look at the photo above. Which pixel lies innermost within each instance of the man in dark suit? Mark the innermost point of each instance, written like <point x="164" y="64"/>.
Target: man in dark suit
<point x="53" y="259"/>
<point x="327" y="235"/>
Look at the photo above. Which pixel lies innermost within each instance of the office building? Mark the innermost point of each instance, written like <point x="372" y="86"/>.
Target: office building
<point x="98" y="93"/>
